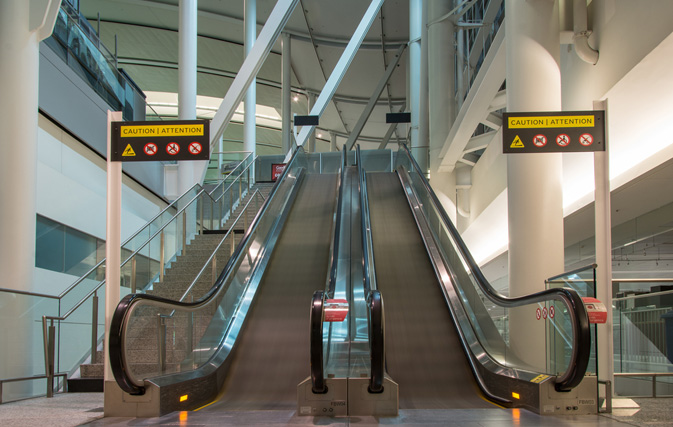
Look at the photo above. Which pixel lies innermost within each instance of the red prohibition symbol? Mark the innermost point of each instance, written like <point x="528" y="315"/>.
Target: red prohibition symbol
<point x="586" y="139"/>
<point x="552" y="312"/>
<point x="173" y="148"/>
<point x="150" y="149"/>
<point x="540" y="140"/>
<point x="538" y="314"/>
<point x="544" y="312"/>
<point x="195" y="148"/>
<point x="563" y="140"/>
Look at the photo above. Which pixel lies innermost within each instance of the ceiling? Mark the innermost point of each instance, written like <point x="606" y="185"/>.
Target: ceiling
<point x="146" y="39"/>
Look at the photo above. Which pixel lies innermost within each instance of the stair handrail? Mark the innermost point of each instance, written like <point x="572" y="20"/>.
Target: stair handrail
<point x="117" y="330"/>
<point x="210" y="259"/>
<point x="50" y="346"/>
<point x="578" y="315"/>
<point x="141" y="229"/>
<point x="376" y="326"/>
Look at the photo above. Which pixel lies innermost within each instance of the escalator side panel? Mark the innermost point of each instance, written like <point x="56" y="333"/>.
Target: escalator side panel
<point x="424" y="354"/>
<point x="272" y="355"/>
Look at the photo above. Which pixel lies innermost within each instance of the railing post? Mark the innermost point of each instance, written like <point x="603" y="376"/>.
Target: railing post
<point x="219" y="219"/>
<point x="162" y="256"/>
<point x="245" y="220"/>
<point x="201" y="215"/>
<point x="51" y="350"/>
<point x="161" y="328"/>
<point x="654" y="385"/>
<point x="94" y="329"/>
<point x="231" y="204"/>
<point x="214" y="270"/>
<point x="233" y="241"/>
<point x="133" y="275"/>
<point x="184" y="232"/>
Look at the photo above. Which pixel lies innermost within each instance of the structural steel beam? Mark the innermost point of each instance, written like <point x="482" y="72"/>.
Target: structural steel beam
<point x="341" y="67"/>
<point x="373" y="99"/>
<point x="253" y="62"/>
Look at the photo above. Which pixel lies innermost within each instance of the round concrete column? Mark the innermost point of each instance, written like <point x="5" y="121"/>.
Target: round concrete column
<point x="535" y="198"/>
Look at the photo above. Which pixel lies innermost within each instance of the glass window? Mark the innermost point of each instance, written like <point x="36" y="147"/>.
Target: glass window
<point x="49" y="244"/>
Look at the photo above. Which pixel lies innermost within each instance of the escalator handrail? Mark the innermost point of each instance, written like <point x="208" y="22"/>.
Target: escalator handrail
<point x="581" y="348"/>
<point x="373" y="296"/>
<point x="334" y="254"/>
<point x="318" y="302"/>
<point x="119" y="318"/>
<point x="318" y="385"/>
<point x="377" y="346"/>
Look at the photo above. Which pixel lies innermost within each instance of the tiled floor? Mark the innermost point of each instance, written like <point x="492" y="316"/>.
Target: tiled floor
<point x="74" y="409"/>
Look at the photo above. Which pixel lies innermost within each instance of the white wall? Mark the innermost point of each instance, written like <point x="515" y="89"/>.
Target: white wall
<point x="71" y="189"/>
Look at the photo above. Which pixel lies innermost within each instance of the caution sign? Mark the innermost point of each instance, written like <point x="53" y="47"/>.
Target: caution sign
<point x="128" y="151"/>
<point x="160" y="141"/>
<point x="517" y="143"/>
<point x="573" y="131"/>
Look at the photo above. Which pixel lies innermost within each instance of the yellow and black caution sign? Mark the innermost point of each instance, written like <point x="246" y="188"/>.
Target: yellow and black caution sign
<point x="517" y="143"/>
<point x="160" y="141"/>
<point x="128" y="151"/>
<point x="566" y="131"/>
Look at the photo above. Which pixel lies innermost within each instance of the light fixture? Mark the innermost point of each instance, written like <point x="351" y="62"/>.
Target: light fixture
<point x="295" y="98"/>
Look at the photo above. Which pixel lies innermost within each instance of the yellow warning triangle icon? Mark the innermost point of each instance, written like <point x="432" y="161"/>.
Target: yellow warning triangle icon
<point x="128" y="151"/>
<point x="517" y="143"/>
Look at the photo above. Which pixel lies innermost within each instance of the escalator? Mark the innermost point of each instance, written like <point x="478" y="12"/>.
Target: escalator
<point x="271" y="353"/>
<point x="243" y="345"/>
<point x="423" y="351"/>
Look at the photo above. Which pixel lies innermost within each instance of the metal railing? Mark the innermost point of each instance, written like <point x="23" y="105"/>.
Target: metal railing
<point x="162" y="220"/>
<point x="210" y="265"/>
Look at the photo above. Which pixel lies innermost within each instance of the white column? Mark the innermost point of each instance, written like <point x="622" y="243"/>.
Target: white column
<point x="286" y="95"/>
<point x="187" y="35"/>
<point x="19" y="55"/>
<point x="441" y="67"/>
<point x="423" y="116"/>
<point x="603" y="226"/>
<point x="417" y="82"/>
<point x="250" y="123"/>
<point x="535" y="198"/>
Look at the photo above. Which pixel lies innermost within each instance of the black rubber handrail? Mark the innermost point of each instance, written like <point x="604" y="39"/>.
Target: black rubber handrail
<point x="317" y="304"/>
<point x="581" y="349"/>
<point x="119" y="319"/>
<point x="377" y="347"/>
<point x="377" y="354"/>
<point x="316" y="318"/>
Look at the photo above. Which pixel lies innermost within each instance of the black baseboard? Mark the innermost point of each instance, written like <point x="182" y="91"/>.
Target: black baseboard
<point x="85" y="385"/>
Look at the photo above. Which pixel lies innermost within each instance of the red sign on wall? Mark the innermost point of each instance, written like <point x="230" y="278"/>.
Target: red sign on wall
<point x="277" y="170"/>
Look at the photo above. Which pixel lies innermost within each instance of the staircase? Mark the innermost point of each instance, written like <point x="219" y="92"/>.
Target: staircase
<point x="177" y="278"/>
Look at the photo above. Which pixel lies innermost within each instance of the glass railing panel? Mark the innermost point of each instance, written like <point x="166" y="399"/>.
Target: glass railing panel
<point x="21" y="335"/>
<point x="80" y="48"/>
<point x="643" y="335"/>
<point x="74" y="335"/>
<point x="559" y="329"/>
<point x="326" y="162"/>
<point x="161" y="338"/>
<point x="377" y="160"/>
